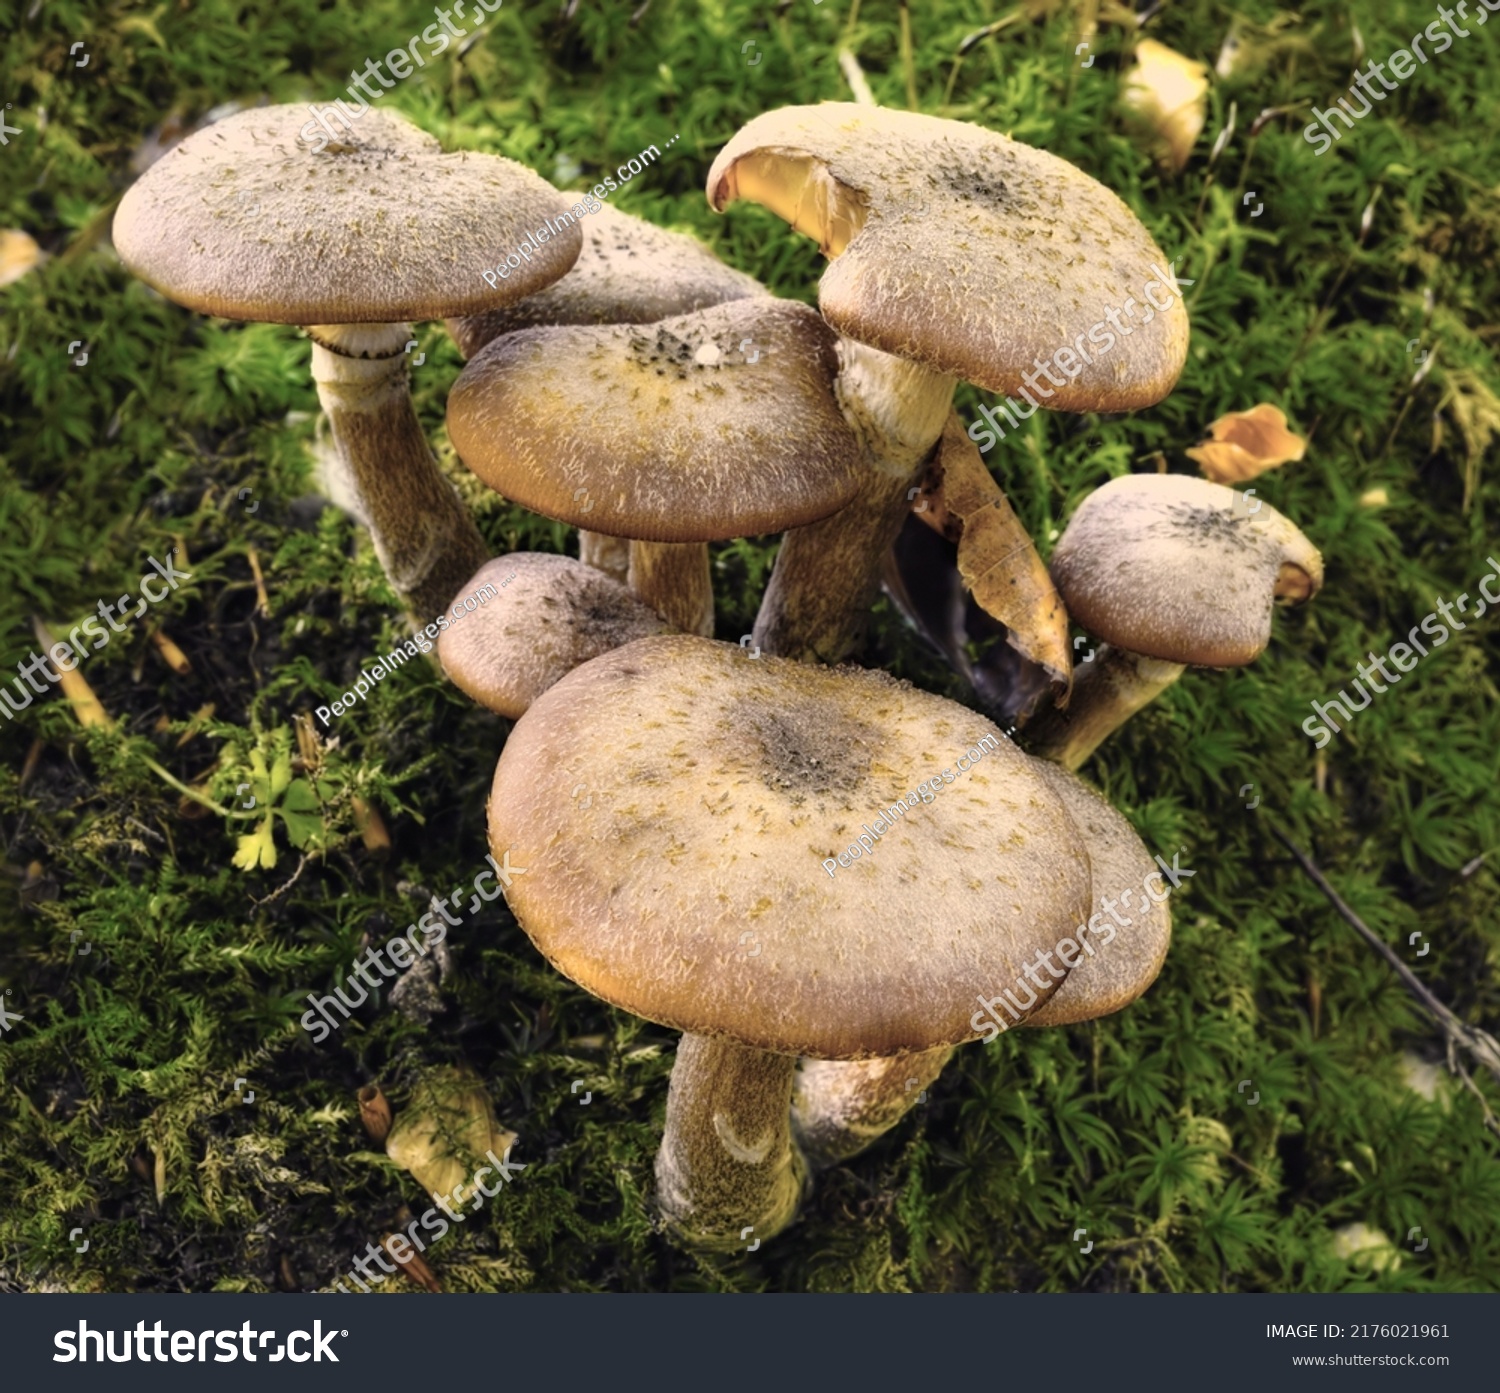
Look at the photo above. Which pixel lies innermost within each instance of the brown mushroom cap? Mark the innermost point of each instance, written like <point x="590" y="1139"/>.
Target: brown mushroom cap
<point x="691" y="889"/>
<point x="1175" y="568"/>
<point x="550" y="615"/>
<point x="629" y="272"/>
<point x="664" y="432"/>
<point x="961" y="249"/>
<point x="1123" y="962"/>
<point x="244" y="220"/>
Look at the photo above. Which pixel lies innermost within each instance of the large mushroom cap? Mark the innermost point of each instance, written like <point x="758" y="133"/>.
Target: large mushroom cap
<point x="1179" y="569"/>
<point x="548" y="615"/>
<point x="961" y="249"/>
<point x="244" y="220"/>
<point x="689" y="887"/>
<point x="629" y="272"/>
<point x="664" y="432"/>
<point x="1125" y="952"/>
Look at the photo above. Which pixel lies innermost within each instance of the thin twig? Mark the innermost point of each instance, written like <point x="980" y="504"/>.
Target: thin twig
<point x="854" y="75"/>
<point x="1479" y="1043"/>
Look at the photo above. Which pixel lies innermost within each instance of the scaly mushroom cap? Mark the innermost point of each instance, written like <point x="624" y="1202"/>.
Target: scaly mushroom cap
<point x="961" y="249"/>
<point x="1177" y="568"/>
<point x="690" y="887"/>
<point x="1130" y="945"/>
<point x="244" y="220"/>
<point x="664" y="432"/>
<point x="551" y="615"/>
<point x="629" y="272"/>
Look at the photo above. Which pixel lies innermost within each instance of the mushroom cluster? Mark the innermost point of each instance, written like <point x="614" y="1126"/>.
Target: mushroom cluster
<point x="628" y="384"/>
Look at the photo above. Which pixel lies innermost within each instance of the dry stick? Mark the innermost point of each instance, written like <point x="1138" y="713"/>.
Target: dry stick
<point x="1479" y="1043"/>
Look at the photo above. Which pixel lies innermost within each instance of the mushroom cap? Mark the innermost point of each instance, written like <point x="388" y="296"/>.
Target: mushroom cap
<point x="245" y="221"/>
<point x="629" y="272"/>
<point x="1125" y="961"/>
<point x="961" y="249"/>
<point x="551" y="614"/>
<point x="1177" y="568"/>
<point x="664" y="432"/>
<point x="689" y="887"/>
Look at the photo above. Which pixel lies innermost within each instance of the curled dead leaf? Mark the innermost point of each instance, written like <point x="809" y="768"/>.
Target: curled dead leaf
<point x="412" y="1266"/>
<point x="374" y="1112"/>
<point x="86" y="705"/>
<point x="1244" y="444"/>
<point x="997" y="560"/>
<point x="1166" y="95"/>
<point x="19" y="254"/>
<point x="445" y="1130"/>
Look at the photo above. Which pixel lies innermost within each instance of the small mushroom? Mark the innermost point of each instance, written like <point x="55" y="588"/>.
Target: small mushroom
<point x="664" y="433"/>
<point x="1169" y="570"/>
<point x="694" y="887"/>
<point x="551" y="615"/>
<point x="246" y="219"/>
<point x="954" y="253"/>
<point x="629" y="272"/>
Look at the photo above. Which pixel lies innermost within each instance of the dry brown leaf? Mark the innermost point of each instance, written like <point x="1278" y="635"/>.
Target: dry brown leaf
<point x="371" y="826"/>
<point x="86" y="706"/>
<point x="446" y="1127"/>
<point x="19" y="254"/>
<point x="374" y="1112"/>
<point x="997" y="560"/>
<point x="1244" y="444"/>
<point x="171" y="654"/>
<point x="1167" y="96"/>
<point x="411" y="1265"/>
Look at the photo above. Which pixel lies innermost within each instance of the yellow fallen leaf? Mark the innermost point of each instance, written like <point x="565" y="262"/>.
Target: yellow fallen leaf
<point x="1244" y="444"/>
<point x="1167" y="96"/>
<point x="997" y="560"/>
<point x="19" y="254"/>
<point x="86" y="706"/>
<point x="445" y="1129"/>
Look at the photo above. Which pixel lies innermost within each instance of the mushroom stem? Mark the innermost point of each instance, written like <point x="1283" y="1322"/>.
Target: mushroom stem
<point x="673" y="578"/>
<point x="1106" y="693"/>
<point x="839" y="1108"/>
<point x="727" y="1162"/>
<point x="826" y="574"/>
<point x="608" y="554"/>
<point x="425" y="539"/>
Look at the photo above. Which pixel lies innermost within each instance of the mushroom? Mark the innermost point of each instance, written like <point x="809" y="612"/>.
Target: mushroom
<point x="839" y="1109"/>
<point x="665" y="433"/>
<point x="954" y="252"/>
<point x="248" y="220"/>
<point x="1169" y="570"/>
<point x="629" y="272"/>
<point x="551" y="615"/>
<point x="694" y="888"/>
